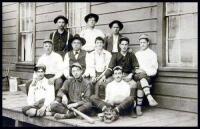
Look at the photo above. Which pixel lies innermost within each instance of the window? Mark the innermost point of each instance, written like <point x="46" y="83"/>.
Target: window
<point x="181" y="34"/>
<point x="26" y="32"/>
<point x="76" y="11"/>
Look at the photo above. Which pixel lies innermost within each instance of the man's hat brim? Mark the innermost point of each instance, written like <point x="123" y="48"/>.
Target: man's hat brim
<point x="78" y="38"/>
<point x="76" y="65"/>
<point x="118" y="22"/>
<point x="62" y="17"/>
<point x="96" y="17"/>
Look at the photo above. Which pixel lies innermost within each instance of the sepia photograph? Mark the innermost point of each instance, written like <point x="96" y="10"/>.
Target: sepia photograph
<point x="99" y="64"/>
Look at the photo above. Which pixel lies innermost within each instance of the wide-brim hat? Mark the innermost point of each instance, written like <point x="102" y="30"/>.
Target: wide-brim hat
<point x="96" y="17"/>
<point x="124" y="39"/>
<point x="40" y="66"/>
<point x="118" y="22"/>
<point x="77" y="36"/>
<point x="76" y="64"/>
<point x="62" y="17"/>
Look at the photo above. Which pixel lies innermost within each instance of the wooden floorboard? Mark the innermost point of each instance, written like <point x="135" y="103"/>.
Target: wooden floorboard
<point x="152" y="117"/>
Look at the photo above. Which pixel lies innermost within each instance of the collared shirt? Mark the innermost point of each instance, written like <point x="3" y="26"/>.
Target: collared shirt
<point x="116" y="92"/>
<point x="115" y="43"/>
<point x="70" y="58"/>
<point x="128" y="62"/>
<point x="76" y="53"/>
<point x="60" y="40"/>
<point x="42" y="90"/>
<point x="53" y="63"/>
<point x="97" y="62"/>
<point x="147" y="61"/>
<point x="77" y="90"/>
<point x="90" y="35"/>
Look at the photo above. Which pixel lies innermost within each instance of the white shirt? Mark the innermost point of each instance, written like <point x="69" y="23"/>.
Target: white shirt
<point x="117" y="92"/>
<point x="147" y="60"/>
<point x="115" y="43"/>
<point x="97" y="62"/>
<point x="40" y="91"/>
<point x="76" y="55"/>
<point x="66" y="67"/>
<point x="90" y="35"/>
<point x="53" y="63"/>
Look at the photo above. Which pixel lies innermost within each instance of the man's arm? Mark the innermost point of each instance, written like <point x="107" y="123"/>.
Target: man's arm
<point x="66" y="65"/>
<point x="63" y="91"/>
<point x="135" y="64"/>
<point x="111" y="65"/>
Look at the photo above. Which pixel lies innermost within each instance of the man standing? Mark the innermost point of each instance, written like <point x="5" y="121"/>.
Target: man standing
<point x="90" y="33"/>
<point x="117" y="99"/>
<point x="40" y="94"/>
<point x="73" y="94"/>
<point x="61" y="36"/>
<point x="53" y="63"/>
<point x="112" y="41"/>
<point x="148" y="66"/>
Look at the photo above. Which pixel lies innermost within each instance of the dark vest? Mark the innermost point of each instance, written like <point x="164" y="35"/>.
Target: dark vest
<point x="80" y="59"/>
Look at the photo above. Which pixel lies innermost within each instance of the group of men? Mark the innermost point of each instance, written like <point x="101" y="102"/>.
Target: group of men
<point x="91" y="71"/>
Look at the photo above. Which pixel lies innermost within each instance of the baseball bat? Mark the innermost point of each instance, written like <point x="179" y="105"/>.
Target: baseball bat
<point x="89" y="119"/>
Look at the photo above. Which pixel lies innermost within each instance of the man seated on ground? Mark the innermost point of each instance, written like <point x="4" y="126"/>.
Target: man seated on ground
<point x="96" y="63"/>
<point x="117" y="99"/>
<point x="148" y="66"/>
<point x="74" y="93"/>
<point x="40" y="94"/>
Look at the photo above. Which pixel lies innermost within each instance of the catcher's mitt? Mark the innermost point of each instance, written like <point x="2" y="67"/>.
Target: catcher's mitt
<point x="108" y="115"/>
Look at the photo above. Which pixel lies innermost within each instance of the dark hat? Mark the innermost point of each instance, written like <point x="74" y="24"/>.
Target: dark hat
<point x="96" y="17"/>
<point x="117" y="68"/>
<point x="40" y="66"/>
<point x="48" y="41"/>
<point x="144" y="36"/>
<point x="76" y="64"/>
<point x="118" y="22"/>
<point x="77" y="36"/>
<point x="60" y="16"/>
<point x="124" y="39"/>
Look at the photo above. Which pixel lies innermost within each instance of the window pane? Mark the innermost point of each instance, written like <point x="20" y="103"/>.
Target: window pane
<point x="173" y="27"/>
<point x="189" y="51"/>
<point x="173" y="51"/>
<point x="187" y="26"/>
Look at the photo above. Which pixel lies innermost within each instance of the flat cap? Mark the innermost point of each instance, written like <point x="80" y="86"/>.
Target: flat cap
<point x="117" y="68"/>
<point x="48" y="41"/>
<point x="76" y="64"/>
<point x="144" y="36"/>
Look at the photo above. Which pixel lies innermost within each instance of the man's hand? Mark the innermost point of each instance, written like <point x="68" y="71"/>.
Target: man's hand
<point x="103" y="79"/>
<point x="51" y="81"/>
<point x="42" y="110"/>
<point x="85" y="75"/>
<point x="94" y="79"/>
<point x="72" y="105"/>
<point x="64" y="100"/>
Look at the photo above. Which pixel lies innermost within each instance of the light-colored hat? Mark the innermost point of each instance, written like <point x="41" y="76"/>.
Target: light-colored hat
<point x="76" y="65"/>
<point x="144" y="36"/>
<point x="48" y="40"/>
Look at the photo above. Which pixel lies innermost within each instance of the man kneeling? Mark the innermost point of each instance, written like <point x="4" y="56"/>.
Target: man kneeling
<point x="40" y="94"/>
<point x="74" y="93"/>
<point x="117" y="98"/>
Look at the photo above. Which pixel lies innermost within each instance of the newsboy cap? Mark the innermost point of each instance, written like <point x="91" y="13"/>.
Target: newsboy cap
<point x="76" y="64"/>
<point x="95" y="16"/>
<point x="144" y="36"/>
<point x="48" y="41"/>
<point x="119" y="24"/>
<point x="62" y="17"/>
<point x="40" y="66"/>
<point x="117" y="68"/>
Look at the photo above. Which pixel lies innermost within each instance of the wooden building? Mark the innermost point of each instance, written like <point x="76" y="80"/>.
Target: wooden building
<point x="172" y="28"/>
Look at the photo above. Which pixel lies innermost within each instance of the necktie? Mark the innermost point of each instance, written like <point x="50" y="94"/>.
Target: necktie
<point x="76" y="54"/>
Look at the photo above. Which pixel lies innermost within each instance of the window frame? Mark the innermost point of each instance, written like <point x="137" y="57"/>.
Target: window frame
<point x="161" y="40"/>
<point x="20" y="63"/>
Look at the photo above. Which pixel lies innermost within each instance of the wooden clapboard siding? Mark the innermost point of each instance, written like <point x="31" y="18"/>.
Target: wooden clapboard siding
<point x="9" y="38"/>
<point x="9" y="8"/>
<point x="9" y="22"/>
<point x="119" y="6"/>
<point x="9" y="15"/>
<point x="45" y="14"/>
<point x="177" y="103"/>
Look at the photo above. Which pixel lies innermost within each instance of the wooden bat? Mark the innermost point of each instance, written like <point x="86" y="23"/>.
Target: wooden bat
<point x="89" y="119"/>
